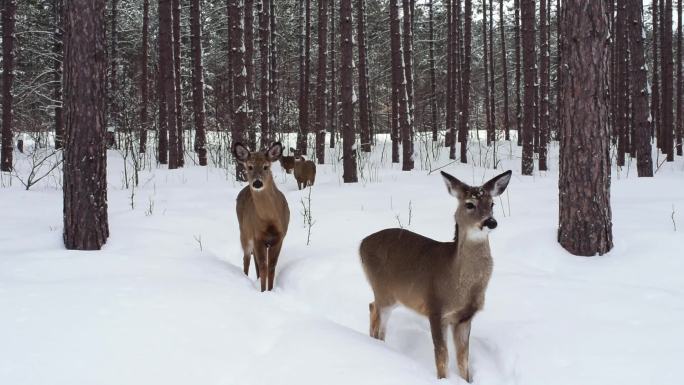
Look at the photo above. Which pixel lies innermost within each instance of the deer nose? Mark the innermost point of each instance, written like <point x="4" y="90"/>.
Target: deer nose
<point x="490" y="223"/>
<point x="257" y="184"/>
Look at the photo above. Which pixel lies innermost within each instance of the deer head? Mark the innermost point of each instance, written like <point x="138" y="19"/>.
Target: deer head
<point x="474" y="214"/>
<point x="258" y="164"/>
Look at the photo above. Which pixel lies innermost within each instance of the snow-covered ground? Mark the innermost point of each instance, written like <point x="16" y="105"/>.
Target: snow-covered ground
<point x="166" y="302"/>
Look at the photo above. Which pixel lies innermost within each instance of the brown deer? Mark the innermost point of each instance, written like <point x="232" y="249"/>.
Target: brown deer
<point x="304" y="171"/>
<point x="445" y="281"/>
<point x="288" y="162"/>
<point x="262" y="212"/>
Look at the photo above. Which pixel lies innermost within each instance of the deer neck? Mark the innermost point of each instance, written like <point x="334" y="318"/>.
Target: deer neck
<point x="472" y="242"/>
<point x="266" y="203"/>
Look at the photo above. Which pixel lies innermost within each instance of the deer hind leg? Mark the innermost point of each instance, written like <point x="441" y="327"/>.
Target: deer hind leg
<point x="461" y="333"/>
<point x="441" y="353"/>
<point x="379" y="314"/>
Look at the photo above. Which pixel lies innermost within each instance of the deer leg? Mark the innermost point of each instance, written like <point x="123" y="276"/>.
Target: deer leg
<point x="441" y="353"/>
<point x="245" y="264"/>
<point x="261" y="263"/>
<point x="461" y="333"/>
<point x="273" y="254"/>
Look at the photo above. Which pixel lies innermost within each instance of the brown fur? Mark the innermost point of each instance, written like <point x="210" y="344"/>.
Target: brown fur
<point x="304" y="172"/>
<point x="288" y="162"/>
<point x="445" y="281"/>
<point x="263" y="213"/>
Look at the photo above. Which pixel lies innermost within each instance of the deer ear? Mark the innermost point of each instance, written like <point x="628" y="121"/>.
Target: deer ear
<point x="274" y="152"/>
<point x="240" y="152"/>
<point x="498" y="184"/>
<point x="454" y="186"/>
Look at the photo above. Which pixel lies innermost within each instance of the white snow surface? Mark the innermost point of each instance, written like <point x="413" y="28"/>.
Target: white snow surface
<point x="153" y="307"/>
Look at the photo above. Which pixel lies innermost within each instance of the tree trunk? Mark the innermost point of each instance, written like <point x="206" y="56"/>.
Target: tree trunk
<point x="465" y="82"/>
<point x="113" y="91"/>
<point x="621" y="86"/>
<point x="655" y="97"/>
<point x="85" y="155"/>
<point x="504" y="69"/>
<point x="667" y="74"/>
<point x="58" y="51"/>
<point x="274" y="74"/>
<point x="399" y="86"/>
<point x="178" y="92"/>
<point x="449" y="115"/>
<point x="457" y="80"/>
<point x="304" y="73"/>
<point x="396" y="62"/>
<point x="163" y="133"/>
<point x="237" y="40"/>
<point x="680" y="82"/>
<point x="144" y="81"/>
<point x="346" y="73"/>
<point x="518" y="74"/>
<point x="559" y="63"/>
<point x="585" y="226"/>
<point x="198" y="80"/>
<point x="485" y="69"/>
<point x="492" y="86"/>
<point x="544" y="84"/>
<point x="433" y="76"/>
<point x="527" y="8"/>
<point x="8" y="56"/>
<point x="639" y="89"/>
<point x="264" y="48"/>
<point x="332" y="114"/>
<point x="407" y="38"/>
<point x="166" y="68"/>
<point x="321" y="86"/>
<point x="249" y="66"/>
<point x="364" y="113"/>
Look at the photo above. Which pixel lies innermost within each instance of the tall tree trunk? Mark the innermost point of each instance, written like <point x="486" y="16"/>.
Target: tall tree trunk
<point x="364" y="113"/>
<point x="450" y="54"/>
<point x="249" y="65"/>
<point x="492" y="72"/>
<point x="264" y="48"/>
<point x="166" y="68"/>
<point x="680" y="82"/>
<point x="332" y="114"/>
<point x="305" y="74"/>
<point x="58" y="52"/>
<point x="433" y="76"/>
<point x="407" y="39"/>
<point x="518" y="74"/>
<point x="585" y="226"/>
<point x="530" y="73"/>
<point x="198" y="80"/>
<point x="321" y="77"/>
<point x="274" y="74"/>
<point x="85" y="155"/>
<point x="396" y="62"/>
<point x="457" y="80"/>
<point x="655" y="97"/>
<point x="178" y="92"/>
<point x="621" y="86"/>
<point x="504" y="69"/>
<point x="464" y="121"/>
<point x="544" y="84"/>
<point x="144" y="81"/>
<point x="230" y="87"/>
<point x="113" y="91"/>
<point x="346" y="73"/>
<point x="237" y="40"/>
<point x="559" y="63"/>
<point x="485" y="69"/>
<point x="163" y="132"/>
<point x="399" y="86"/>
<point x="667" y="76"/>
<point x="8" y="56"/>
<point x="639" y="89"/>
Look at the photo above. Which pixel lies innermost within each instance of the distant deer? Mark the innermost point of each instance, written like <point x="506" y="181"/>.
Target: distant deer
<point x="262" y="212"/>
<point x="444" y="281"/>
<point x="304" y="171"/>
<point x="288" y="162"/>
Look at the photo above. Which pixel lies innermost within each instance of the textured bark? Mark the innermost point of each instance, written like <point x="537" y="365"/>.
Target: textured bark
<point x="346" y="73"/>
<point x="543" y="84"/>
<point x="178" y="92"/>
<point x="449" y="115"/>
<point x="667" y="76"/>
<point x="364" y="103"/>
<point x="530" y="78"/>
<point x="332" y="114"/>
<point x="85" y="160"/>
<point x="58" y="52"/>
<point x="492" y="72"/>
<point x="485" y="69"/>
<point x="680" y="82"/>
<point x="113" y="78"/>
<point x="518" y="73"/>
<point x="8" y="56"/>
<point x="399" y="86"/>
<point x="621" y="86"/>
<point x="144" y="81"/>
<point x="321" y="84"/>
<point x="304" y="73"/>
<point x="163" y="133"/>
<point x="274" y="75"/>
<point x="407" y="39"/>
<point x="433" y="76"/>
<point x="396" y="75"/>
<point x="248" y="13"/>
<point x="504" y="70"/>
<point x="166" y="68"/>
<point x="639" y="89"/>
<point x="198" y="80"/>
<point x="264" y="49"/>
<point x="237" y="40"/>
<point x="559" y="63"/>
<point x="655" y="88"/>
<point x="464" y="121"/>
<point x="585" y="226"/>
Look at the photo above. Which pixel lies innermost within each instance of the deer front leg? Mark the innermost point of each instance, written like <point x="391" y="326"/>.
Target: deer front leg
<point x="273" y="254"/>
<point x="461" y="333"/>
<point x="261" y="263"/>
<point x="441" y="353"/>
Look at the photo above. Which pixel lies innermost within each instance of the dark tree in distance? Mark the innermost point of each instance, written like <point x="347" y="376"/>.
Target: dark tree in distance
<point x="433" y="76"/>
<point x="144" y="94"/>
<point x="544" y="84"/>
<point x="198" y="80"/>
<point x="248" y="12"/>
<point x="464" y="120"/>
<point x="364" y="103"/>
<point x="8" y="57"/>
<point x="332" y="105"/>
<point x="304" y="74"/>
<point x="585" y="226"/>
<point x="264" y="49"/>
<point x="667" y="76"/>
<point x="346" y="94"/>
<point x="655" y="72"/>
<point x="321" y="86"/>
<point x="680" y="82"/>
<point x="492" y="72"/>
<point x="237" y="41"/>
<point x="85" y="162"/>
<point x="485" y="69"/>
<point x="167" y="74"/>
<point x="450" y="112"/>
<point x="504" y="70"/>
<point x="178" y="92"/>
<point x="407" y="39"/>
<point x="58" y="52"/>
<point x="527" y="8"/>
<point x="518" y="73"/>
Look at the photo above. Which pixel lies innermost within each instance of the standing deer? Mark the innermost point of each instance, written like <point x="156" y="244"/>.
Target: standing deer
<point x="262" y="212"/>
<point x="288" y="162"/>
<point x="445" y="281"/>
<point x="304" y="171"/>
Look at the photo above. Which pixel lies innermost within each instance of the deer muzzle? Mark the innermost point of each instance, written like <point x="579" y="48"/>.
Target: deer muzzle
<point x="257" y="184"/>
<point x="490" y="223"/>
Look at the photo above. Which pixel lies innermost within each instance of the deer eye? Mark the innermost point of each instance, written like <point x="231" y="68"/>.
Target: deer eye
<point x="266" y="167"/>
<point x="250" y="167"/>
<point x="469" y="205"/>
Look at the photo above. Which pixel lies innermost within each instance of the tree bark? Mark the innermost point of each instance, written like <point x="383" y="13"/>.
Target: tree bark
<point x="364" y="113"/>
<point x="178" y="92"/>
<point x="585" y="226"/>
<point x="433" y="76"/>
<point x="248" y="13"/>
<point x="332" y="114"/>
<point x="680" y="82"/>
<point x="198" y="80"/>
<point x="464" y="121"/>
<point x="527" y="8"/>
<point x="518" y="74"/>
<point x="407" y="39"/>
<point x="167" y="72"/>
<point x="399" y="86"/>
<point x="449" y="115"/>
<point x="144" y="81"/>
<point x="485" y="69"/>
<point x="655" y="96"/>
<point x="621" y="86"/>
<point x="8" y="56"/>
<point x="667" y="76"/>
<point x="264" y="48"/>
<point x="504" y="70"/>
<point x="163" y="133"/>
<point x="85" y="161"/>
<point x="321" y="77"/>
<point x="640" y="90"/>
<point x="237" y="40"/>
<point x="544" y="84"/>
<point x="305" y="74"/>
<point x="346" y="73"/>
<point x="492" y="82"/>
<point x="58" y="52"/>
<point x="274" y="73"/>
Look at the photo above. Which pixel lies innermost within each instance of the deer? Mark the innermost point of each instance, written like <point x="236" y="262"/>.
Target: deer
<point x="304" y="171"/>
<point x="288" y="162"/>
<point x="262" y="211"/>
<point x="444" y="281"/>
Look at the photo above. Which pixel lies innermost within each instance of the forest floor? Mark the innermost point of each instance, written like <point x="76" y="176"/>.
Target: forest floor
<point x="166" y="301"/>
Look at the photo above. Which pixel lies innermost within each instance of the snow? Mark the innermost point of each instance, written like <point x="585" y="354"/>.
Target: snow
<point x="166" y="300"/>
